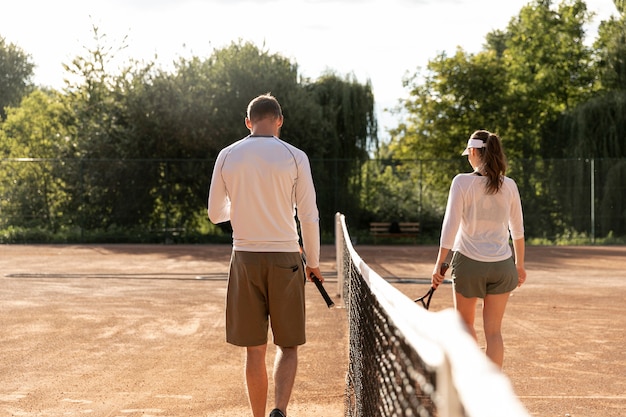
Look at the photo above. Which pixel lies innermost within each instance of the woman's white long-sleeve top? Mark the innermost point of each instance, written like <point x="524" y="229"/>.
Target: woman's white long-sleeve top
<point x="479" y="224"/>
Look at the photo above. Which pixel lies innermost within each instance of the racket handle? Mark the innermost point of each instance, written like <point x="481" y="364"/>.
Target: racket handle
<point x="329" y="302"/>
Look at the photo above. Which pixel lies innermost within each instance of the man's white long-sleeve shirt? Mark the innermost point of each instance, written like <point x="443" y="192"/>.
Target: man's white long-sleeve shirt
<point x="478" y="224"/>
<point x="258" y="183"/>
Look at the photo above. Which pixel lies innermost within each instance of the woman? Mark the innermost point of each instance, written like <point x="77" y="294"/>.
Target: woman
<point x="483" y="209"/>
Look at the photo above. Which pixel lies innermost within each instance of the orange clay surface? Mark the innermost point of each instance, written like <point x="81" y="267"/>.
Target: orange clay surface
<point x="138" y="330"/>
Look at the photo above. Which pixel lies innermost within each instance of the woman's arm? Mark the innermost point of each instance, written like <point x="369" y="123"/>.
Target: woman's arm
<point x="519" y="246"/>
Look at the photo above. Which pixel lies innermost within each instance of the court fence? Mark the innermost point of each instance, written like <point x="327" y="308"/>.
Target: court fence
<point x="145" y="200"/>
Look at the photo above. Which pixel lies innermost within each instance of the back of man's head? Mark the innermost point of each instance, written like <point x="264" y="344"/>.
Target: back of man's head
<point x="264" y="106"/>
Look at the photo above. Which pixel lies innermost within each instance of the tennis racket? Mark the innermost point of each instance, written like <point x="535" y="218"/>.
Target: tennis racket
<point x="320" y="287"/>
<point x="425" y="299"/>
<point x="329" y="302"/>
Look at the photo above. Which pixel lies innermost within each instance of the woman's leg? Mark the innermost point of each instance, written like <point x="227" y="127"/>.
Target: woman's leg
<point x="493" y="312"/>
<point x="467" y="309"/>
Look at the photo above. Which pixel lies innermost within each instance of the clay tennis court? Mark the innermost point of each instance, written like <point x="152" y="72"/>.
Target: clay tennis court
<point x="133" y="330"/>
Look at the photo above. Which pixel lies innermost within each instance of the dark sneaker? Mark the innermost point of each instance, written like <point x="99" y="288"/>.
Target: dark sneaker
<point x="277" y="413"/>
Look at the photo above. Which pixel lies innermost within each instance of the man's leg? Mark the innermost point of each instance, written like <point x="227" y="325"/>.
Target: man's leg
<point x="285" y="368"/>
<point x="256" y="379"/>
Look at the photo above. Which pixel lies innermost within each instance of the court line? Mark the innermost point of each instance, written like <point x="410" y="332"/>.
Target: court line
<point x="575" y="397"/>
<point x="219" y="276"/>
<point x="215" y="276"/>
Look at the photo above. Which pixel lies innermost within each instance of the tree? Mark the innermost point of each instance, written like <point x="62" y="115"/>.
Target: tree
<point x="35" y="134"/>
<point x="596" y="127"/>
<point x="344" y="133"/>
<point x="100" y="177"/>
<point x="517" y="86"/>
<point x="16" y="71"/>
<point x="191" y="113"/>
<point x="132" y="148"/>
<point x="595" y="130"/>
<point x="610" y="49"/>
<point x="199" y="108"/>
<point x="524" y="78"/>
<point x="151" y="134"/>
<point x="549" y="70"/>
<point x="458" y="94"/>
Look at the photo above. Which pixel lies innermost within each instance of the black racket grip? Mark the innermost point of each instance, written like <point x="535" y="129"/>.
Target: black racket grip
<point x="426" y="304"/>
<point x="329" y="302"/>
<point x="442" y="269"/>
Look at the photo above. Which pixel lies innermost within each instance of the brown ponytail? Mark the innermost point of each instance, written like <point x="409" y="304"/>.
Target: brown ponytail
<point x="493" y="160"/>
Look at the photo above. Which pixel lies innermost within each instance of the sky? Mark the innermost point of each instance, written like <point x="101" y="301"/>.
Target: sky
<point x="377" y="40"/>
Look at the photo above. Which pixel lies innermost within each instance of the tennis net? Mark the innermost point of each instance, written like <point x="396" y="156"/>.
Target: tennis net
<point x="407" y="361"/>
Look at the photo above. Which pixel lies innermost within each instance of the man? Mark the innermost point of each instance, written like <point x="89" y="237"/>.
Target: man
<point x="258" y="184"/>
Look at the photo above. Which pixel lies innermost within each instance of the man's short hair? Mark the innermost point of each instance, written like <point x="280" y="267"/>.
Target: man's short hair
<point x="264" y="106"/>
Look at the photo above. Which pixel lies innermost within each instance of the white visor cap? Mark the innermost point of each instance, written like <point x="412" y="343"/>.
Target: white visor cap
<point x="473" y="143"/>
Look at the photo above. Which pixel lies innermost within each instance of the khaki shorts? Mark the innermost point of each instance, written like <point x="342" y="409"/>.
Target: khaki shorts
<point x="264" y="288"/>
<point x="476" y="279"/>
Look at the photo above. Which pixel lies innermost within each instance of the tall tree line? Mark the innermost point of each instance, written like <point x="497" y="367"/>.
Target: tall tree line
<point x="134" y="149"/>
<point x="548" y="95"/>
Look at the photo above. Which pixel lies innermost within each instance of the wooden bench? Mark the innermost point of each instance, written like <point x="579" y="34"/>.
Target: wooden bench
<point x="168" y="234"/>
<point x="394" y="229"/>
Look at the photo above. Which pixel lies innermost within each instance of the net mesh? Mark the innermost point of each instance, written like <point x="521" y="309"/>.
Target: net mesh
<point x="401" y="363"/>
<point x="400" y="380"/>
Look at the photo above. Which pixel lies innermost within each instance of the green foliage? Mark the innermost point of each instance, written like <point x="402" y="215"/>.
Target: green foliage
<point x="613" y="205"/>
<point x="35" y="130"/>
<point x="16" y="71"/>
<point x="344" y="132"/>
<point x="594" y="129"/>
<point x="549" y="71"/>
<point x="571" y="238"/>
<point x="127" y="153"/>
<point x="539" y="86"/>
<point x="610" y="52"/>
<point x="392" y="192"/>
<point x="524" y="78"/>
<point x="132" y="148"/>
<point x="96" y="117"/>
<point x="458" y="95"/>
